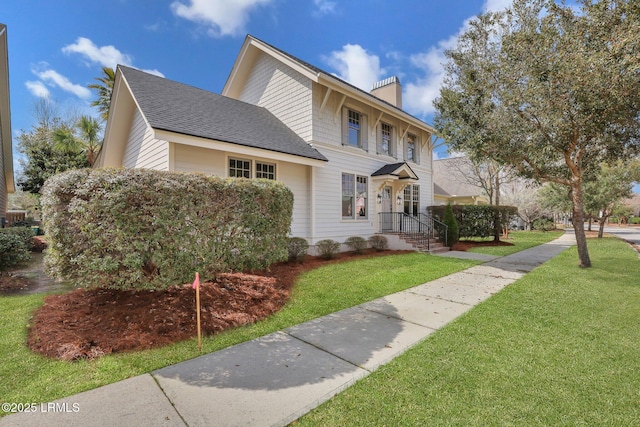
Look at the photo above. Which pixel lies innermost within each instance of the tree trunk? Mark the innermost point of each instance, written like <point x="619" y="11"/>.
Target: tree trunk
<point x="496" y="215"/>
<point x="578" y="225"/>
<point x="601" y="228"/>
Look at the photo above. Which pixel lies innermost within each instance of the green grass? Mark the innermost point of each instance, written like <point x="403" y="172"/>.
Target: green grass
<point x="521" y="240"/>
<point x="29" y="377"/>
<point x="558" y="347"/>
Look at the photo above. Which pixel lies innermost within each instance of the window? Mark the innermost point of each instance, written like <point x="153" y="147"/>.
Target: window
<point x="354" y="196"/>
<point x="239" y="168"/>
<point x="265" y="170"/>
<point x="386" y="133"/>
<point x="412" y="200"/>
<point x="354" y="128"/>
<point x="411" y="148"/>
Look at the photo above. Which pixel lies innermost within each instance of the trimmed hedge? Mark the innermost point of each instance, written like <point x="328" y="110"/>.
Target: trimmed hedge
<point x="297" y="249"/>
<point x="145" y="229"/>
<point x="327" y="248"/>
<point x="15" y="246"/>
<point x="378" y="242"/>
<point x="357" y="244"/>
<point x="477" y="220"/>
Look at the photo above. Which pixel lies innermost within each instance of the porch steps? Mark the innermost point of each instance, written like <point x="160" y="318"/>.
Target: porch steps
<point x="434" y="245"/>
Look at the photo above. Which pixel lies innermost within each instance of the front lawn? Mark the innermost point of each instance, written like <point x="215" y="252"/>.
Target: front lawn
<point x="521" y="240"/>
<point x="558" y="347"/>
<point x="29" y="377"/>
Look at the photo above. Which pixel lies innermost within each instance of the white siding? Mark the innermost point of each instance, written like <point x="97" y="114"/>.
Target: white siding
<point x="214" y="162"/>
<point x="196" y="159"/>
<point x="282" y="91"/>
<point x="143" y="150"/>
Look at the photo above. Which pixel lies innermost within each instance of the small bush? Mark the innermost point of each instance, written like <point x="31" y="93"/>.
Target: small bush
<point x="357" y="244"/>
<point x="378" y="242"/>
<point x="634" y="220"/>
<point x="328" y="248"/>
<point x="298" y="248"/>
<point x="452" y="226"/>
<point x="13" y="249"/>
<point x="544" y="224"/>
<point x="25" y="234"/>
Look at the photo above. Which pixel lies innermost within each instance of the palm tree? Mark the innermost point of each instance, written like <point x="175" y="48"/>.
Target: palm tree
<point x="87" y="141"/>
<point x="104" y="88"/>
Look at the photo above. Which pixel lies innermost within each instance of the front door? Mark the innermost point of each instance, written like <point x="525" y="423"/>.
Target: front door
<point x="387" y="215"/>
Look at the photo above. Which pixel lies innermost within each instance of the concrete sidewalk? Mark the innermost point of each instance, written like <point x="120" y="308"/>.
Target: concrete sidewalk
<point x="277" y="378"/>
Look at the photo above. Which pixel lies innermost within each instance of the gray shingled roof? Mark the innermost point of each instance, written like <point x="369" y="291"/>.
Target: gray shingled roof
<point x="449" y="178"/>
<point x="391" y="169"/>
<point x="176" y="107"/>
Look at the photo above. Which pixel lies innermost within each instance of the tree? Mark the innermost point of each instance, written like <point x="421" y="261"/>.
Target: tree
<point x="41" y="159"/>
<point x="606" y="194"/>
<point x="87" y="141"/>
<point x="104" y="89"/>
<point x="452" y="226"/>
<point x="549" y="90"/>
<point x="524" y="195"/>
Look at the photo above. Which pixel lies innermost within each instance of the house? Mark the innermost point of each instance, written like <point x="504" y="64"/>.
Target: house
<point x="6" y="155"/>
<point x="455" y="182"/>
<point x="354" y="160"/>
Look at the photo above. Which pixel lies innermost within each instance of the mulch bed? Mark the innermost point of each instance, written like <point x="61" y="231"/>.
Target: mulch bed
<point x="86" y="324"/>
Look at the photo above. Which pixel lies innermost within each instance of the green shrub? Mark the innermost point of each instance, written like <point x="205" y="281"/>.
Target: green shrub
<point x="298" y="248"/>
<point x="13" y="248"/>
<point x="378" y="242"/>
<point x="327" y="248"/>
<point x="452" y="226"/>
<point x="477" y="220"/>
<point x="357" y="244"/>
<point x="544" y="224"/>
<point x="25" y="234"/>
<point x="145" y="229"/>
<point x="634" y="220"/>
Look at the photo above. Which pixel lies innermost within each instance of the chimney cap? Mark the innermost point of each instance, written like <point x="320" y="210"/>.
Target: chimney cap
<point x="385" y="82"/>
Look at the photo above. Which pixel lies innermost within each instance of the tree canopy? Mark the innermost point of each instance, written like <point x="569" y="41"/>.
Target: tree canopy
<point x="550" y="90"/>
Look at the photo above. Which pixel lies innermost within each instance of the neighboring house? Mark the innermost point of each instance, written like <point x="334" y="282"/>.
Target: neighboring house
<point x="347" y="155"/>
<point x="452" y="183"/>
<point x="6" y="154"/>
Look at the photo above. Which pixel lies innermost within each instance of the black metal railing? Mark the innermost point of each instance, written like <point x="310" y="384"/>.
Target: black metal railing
<point x="421" y="229"/>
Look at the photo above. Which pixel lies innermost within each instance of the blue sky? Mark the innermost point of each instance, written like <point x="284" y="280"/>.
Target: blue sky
<point x="57" y="48"/>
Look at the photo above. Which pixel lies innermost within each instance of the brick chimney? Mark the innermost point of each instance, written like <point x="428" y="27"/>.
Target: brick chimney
<point x="389" y="90"/>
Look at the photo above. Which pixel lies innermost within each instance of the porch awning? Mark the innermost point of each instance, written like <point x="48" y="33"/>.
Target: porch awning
<point x="394" y="171"/>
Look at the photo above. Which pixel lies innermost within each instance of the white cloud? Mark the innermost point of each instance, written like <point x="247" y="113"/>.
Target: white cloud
<point x="38" y="89"/>
<point x="106" y="56"/>
<point x="324" y="7"/>
<point x="223" y="17"/>
<point x="55" y="79"/>
<point x="496" y="5"/>
<point x="356" y="66"/>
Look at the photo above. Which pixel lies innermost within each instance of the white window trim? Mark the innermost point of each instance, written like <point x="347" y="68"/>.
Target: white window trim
<point x="354" y="216"/>
<point x="253" y="169"/>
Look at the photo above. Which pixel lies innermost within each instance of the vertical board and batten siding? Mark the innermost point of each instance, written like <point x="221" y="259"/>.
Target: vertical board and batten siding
<point x="214" y="162"/>
<point x="143" y="150"/>
<point x="283" y="91"/>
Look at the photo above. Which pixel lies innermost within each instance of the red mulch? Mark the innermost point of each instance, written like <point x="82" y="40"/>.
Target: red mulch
<point x="465" y="245"/>
<point x="90" y="323"/>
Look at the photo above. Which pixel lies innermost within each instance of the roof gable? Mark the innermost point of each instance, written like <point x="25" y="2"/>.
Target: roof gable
<point x="176" y="107"/>
<point x="316" y="74"/>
